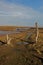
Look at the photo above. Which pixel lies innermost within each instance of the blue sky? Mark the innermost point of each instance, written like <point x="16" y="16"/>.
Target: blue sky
<point x="21" y="12"/>
<point x="32" y="3"/>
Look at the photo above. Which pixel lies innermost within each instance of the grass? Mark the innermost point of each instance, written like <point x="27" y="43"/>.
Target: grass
<point x="20" y="54"/>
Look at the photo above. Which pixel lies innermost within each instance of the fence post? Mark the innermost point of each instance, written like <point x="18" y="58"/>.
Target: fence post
<point x="37" y="32"/>
<point x="7" y="39"/>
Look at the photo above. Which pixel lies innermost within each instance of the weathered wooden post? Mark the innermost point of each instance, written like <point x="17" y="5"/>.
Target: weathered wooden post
<point x="7" y="38"/>
<point x="37" y="32"/>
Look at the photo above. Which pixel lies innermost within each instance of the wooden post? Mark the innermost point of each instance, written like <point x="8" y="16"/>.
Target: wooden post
<point x="9" y="41"/>
<point x="7" y="38"/>
<point x="37" y="32"/>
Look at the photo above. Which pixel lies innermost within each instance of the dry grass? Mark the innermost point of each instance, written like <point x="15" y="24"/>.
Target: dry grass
<point x="10" y="27"/>
<point x="20" y="54"/>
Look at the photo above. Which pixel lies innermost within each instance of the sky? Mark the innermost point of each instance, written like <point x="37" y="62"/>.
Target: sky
<point x="21" y="12"/>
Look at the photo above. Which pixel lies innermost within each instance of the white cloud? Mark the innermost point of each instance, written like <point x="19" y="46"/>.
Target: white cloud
<point x="12" y="14"/>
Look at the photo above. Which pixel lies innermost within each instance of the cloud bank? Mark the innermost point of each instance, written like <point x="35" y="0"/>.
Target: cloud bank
<point x="14" y="14"/>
